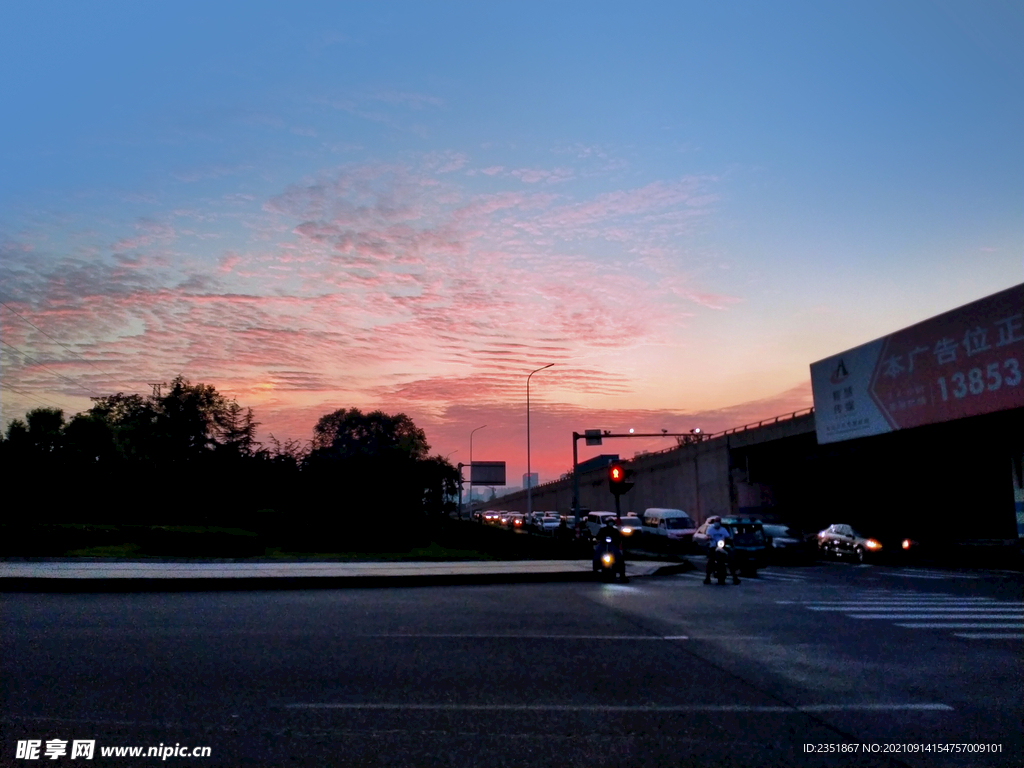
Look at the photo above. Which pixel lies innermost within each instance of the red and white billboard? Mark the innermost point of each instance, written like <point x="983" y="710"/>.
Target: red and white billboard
<point x="965" y="362"/>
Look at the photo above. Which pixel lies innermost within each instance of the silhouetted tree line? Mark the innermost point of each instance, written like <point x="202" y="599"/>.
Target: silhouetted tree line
<point x="191" y="457"/>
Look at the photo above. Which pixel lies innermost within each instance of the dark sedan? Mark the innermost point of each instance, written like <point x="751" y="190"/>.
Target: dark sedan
<point x="788" y="544"/>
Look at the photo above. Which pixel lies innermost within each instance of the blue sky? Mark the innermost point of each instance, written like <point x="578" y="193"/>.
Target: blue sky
<point x="411" y="206"/>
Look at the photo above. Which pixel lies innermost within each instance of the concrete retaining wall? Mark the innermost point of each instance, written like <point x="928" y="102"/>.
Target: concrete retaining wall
<point x="697" y="477"/>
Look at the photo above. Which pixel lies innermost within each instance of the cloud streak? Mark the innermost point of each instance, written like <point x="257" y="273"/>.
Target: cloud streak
<point x="376" y="283"/>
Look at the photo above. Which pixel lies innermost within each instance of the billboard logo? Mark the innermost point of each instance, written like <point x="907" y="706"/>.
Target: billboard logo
<point x="840" y="374"/>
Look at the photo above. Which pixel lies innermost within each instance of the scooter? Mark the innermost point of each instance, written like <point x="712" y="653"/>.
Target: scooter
<point x="608" y="561"/>
<point x="720" y="561"/>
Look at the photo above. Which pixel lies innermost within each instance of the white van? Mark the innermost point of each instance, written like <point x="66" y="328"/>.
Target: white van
<point x="668" y="527"/>
<point x="596" y="520"/>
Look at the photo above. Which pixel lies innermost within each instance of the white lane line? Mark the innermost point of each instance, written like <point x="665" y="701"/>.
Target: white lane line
<point x="947" y="615"/>
<point x="906" y="593"/>
<point x="411" y="635"/>
<point x="990" y="635"/>
<point x="927" y="576"/>
<point x="898" y="603"/>
<point x="625" y="708"/>
<point x="923" y="604"/>
<point x="956" y="625"/>
<point x="512" y="635"/>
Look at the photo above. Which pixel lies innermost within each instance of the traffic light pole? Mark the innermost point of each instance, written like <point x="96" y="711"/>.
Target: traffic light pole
<point x="575" y="485"/>
<point x="690" y="437"/>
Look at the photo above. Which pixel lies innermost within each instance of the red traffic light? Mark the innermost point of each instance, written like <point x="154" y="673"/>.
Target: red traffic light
<point x="618" y="479"/>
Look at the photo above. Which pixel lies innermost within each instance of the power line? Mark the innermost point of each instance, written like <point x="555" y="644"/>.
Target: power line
<point x="80" y="386"/>
<point x="11" y="309"/>
<point x="38" y="399"/>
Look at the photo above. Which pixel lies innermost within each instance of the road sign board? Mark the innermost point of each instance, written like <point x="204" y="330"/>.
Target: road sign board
<point x="965" y="362"/>
<point x="487" y="473"/>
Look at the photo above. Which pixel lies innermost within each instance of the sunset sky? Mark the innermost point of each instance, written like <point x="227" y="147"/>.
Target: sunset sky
<point x="410" y="206"/>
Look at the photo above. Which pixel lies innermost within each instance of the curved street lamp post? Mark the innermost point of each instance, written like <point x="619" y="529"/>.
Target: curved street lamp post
<point x="529" y="473"/>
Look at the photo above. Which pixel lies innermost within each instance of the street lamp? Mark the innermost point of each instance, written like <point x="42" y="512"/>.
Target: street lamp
<point x="529" y="474"/>
<point x="471" y="465"/>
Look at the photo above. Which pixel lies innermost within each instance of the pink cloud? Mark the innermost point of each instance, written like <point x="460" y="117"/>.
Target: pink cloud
<point x="147" y="233"/>
<point x="228" y="262"/>
<point x="380" y="285"/>
<point x="534" y="175"/>
<point x="445" y="162"/>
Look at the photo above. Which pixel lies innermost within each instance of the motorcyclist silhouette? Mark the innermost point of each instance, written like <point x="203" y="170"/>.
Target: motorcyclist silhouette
<point x="718" y="532"/>
<point x="609" y="530"/>
<point x="610" y="540"/>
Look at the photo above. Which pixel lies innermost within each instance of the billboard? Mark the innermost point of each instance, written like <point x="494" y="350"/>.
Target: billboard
<point x="487" y="473"/>
<point x="965" y="362"/>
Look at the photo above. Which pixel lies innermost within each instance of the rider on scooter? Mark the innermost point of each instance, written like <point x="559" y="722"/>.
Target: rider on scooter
<point x="605" y="532"/>
<point x="716" y="533"/>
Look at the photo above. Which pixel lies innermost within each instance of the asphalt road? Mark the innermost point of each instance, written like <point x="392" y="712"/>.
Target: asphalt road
<point x="660" y="671"/>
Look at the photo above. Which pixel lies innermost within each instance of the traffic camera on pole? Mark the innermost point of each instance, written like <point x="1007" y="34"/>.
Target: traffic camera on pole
<point x="618" y="479"/>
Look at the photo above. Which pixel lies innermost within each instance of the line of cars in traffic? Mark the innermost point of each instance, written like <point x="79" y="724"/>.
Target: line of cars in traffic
<point x="756" y="542"/>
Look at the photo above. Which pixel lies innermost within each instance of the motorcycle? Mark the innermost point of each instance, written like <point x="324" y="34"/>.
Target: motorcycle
<point x="720" y="556"/>
<point x="608" y="560"/>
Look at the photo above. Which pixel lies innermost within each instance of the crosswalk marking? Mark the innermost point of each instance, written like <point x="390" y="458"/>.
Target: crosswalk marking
<point x="917" y="573"/>
<point x="972" y="625"/>
<point x="908" y="610"/>
<point x="771" y="576"/>
<point x="866" y="605"/>
<point x="949" y="616"/>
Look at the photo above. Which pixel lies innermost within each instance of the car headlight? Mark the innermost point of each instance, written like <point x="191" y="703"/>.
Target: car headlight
<point x="872" y="544"/>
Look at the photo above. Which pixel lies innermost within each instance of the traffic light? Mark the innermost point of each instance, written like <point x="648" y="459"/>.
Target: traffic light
<point x="618" y="479"/>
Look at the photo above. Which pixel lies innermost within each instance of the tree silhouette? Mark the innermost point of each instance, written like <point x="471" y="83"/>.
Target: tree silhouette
<point x="191" y="456"/>
<point x="346" y="434"/>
